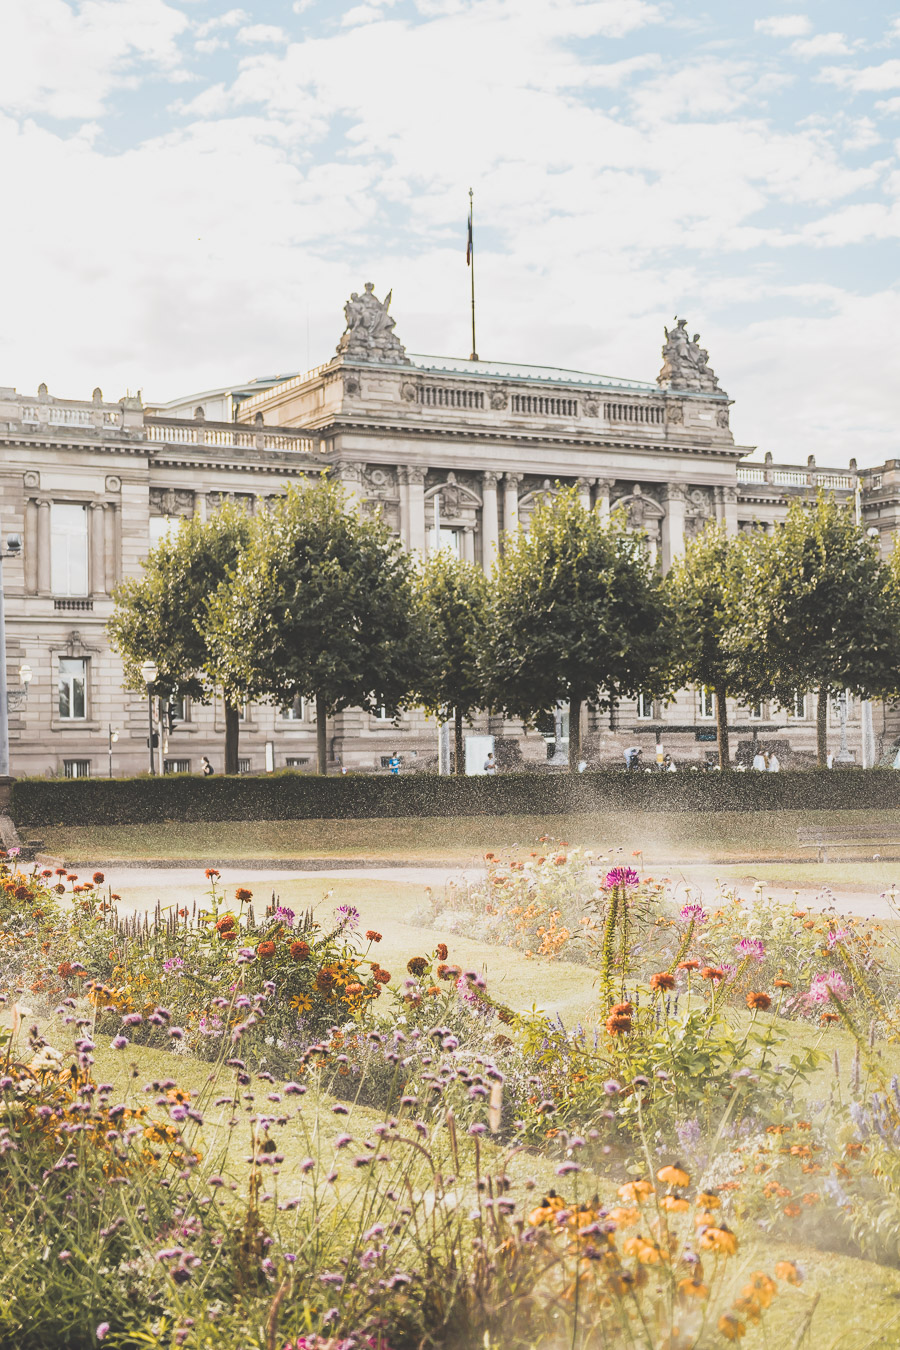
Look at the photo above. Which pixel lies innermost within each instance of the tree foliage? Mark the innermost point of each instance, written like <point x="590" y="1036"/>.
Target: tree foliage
<point x="706" y="594"/>
<point x="162" y="615"/>
<point x="453" y="597"/>
<point x="578" y="615"/>
<point x="821" y="611"/>
<point x="322" y="606"/>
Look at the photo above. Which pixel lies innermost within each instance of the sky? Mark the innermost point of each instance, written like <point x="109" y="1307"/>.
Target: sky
<point x="192" y="189"/>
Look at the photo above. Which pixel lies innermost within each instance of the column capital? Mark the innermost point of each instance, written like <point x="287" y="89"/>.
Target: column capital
<point x="489" y="479"/>
<point x="512" y="480"/>
<point x="605" y="485"/>
<point x="416" y="475"/>
<point x="729" y="494"/>
<point x="349" y="470"/>
<point x="585" y="483"/>
<point x="675" y="492"/>
<point x="96" y="506"/>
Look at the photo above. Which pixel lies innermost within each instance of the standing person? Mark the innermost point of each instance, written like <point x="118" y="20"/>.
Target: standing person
<point x="633" y="757"/>
<point x="206" y="768"/>
<point x="490" y="764"/>
<point x="759" y="761"/>
<point x="669" y="765"/>
<point x="774" y="763"/>
<point x="394" y="763"/>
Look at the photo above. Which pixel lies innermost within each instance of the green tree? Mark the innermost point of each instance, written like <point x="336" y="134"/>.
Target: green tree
<point x="453" y="597"/>
<point x="706" y="595"/>
<point x="578" y="616"/>
<point x="162" y="616"/>
<point x="821" y="612"/>
<point x="321" y="606"/>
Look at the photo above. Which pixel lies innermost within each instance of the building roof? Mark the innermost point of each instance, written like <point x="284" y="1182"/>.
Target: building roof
<point x="506" y="370"/>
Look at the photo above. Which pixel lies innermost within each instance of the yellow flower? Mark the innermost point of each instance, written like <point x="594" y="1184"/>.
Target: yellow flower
<point x="673" y="1176"/>
<point x="301" y="1003"/>
<point x="625" y="1217"/>
<point x="674" y="1204"/>
<point x="731" y="1327"/>
<point x="708" y="1200"/>
<point x="635" y="1191"/>
<point x="761" y="1287"/>
<point x="693" y="1288"/>
<point x="719" y="1240"/>
<point x="786" y="1270"/>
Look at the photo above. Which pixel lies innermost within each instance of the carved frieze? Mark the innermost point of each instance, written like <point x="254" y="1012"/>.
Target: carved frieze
<point x="499" y="400"/>
<point x="175" y="501"/>
<point x="379" y="482"/>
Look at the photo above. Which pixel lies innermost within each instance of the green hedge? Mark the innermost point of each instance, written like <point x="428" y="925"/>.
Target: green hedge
<point x="294" y="796"/>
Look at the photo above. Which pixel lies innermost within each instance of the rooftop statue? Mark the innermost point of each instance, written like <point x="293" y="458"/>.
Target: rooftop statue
<point x="686" y="363"/>
<point x="369" y="335"/>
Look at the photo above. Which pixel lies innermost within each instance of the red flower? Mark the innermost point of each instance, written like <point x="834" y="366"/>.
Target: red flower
<point x="242" y="894"/>
<point x="212" y="872"/>
<point x="265" y="950"/>
<point x="712" y="973"/>
<point x="299" y="951"/>
<point x="225" y="924"/>
<point x="441" y="951"/>
<point x="372" y="936"/>
<point x="382" y="976"/>
<point x="99" y="878"/>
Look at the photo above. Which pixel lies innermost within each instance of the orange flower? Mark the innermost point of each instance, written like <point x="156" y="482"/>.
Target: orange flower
<point x="792" y="1210"/>
<point x="662" y="980"/>
<point x="689" y="965"/>
<point x="265" y="950"/>
<point x="786" y="1270"/>
<point x="708" y="1200"/>
<point x="212" y="872"/>
<point x="673" y="1175"/>
<point x="635" y="1191"/>
<point x="617" y="1025"/>
<point x="719" y="1239"/>
<point x="731" y="1327"/>
<point x="712" y="973"/>
<point x="782" y="984"/>
<point x="441" y="951"/>
<point x="242" y="894"/>
<point x="624" y="1217"/>
<point x="693" y="1288"/>
<point x="226" y="922"/>
<point x="761" y="1287"/>
<point x="372" y="936"/>
<point x="759" y="1002"/>
<point x="675" y="1204"/>
<point x="299" y="951"/>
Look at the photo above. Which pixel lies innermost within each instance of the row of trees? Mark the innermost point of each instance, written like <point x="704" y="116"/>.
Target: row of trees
<point x="315" y="601"/>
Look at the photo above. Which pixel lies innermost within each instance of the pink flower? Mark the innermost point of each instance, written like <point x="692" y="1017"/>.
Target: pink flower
<point x="823" y="986"/>
<point x="626" y="877"/>
<point x="102" y="1331"/>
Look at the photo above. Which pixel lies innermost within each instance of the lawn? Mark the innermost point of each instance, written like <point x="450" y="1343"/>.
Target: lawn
<point x="724" y="837"/>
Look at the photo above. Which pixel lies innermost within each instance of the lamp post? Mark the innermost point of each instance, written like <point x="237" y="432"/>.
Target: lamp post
<point x="13" y="550"/>
<point x="149" y="673"/>
<point x="113" y="737"/>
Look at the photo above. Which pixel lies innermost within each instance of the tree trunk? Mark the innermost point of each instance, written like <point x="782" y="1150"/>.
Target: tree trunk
<point x="574" y="733"/>
<point x="822" y="730"/>
<point x="722" y="728"/>
<point x="321" y="735"/>
<point x="232" y="733"/>
<point x="459" y="748"/>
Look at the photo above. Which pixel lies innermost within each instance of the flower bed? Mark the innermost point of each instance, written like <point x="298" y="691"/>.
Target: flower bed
<point x="391" y="1159"/>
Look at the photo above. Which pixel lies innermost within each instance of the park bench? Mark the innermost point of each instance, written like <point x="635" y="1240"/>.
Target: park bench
<point x="847" y="836"/>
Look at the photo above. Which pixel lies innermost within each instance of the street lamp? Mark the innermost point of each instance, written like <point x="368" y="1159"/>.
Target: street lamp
<point x="113" y="737"/>
<point x="13" y="550"/>
<point x="149" y="673"/>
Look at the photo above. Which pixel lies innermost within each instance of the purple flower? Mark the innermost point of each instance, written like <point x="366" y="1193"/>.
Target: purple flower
<point x="837" y="935"/>
<point x="347" y="916"/>
<point x="693" y="912"/>
<point x="624" y="877"/>
<point x="177" y="1033"/>
<point x="343" y="1140"/>
<point x="566" y="1168"/>
<point x="245" y="956"/>
<point x="119" y="1042"/>
<point x="172" y="963"/>
<point x="611" y="1087"/>
<point x="102" y="1331"/>
<point x="284" y="915"/>
<point x="755" y="948"/>
<point x="63" y="1256"/>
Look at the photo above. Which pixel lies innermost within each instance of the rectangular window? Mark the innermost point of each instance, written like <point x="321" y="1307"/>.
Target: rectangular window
<point x="384" y="714"/>
<point x="644" y="707"/>
<point x="706" y="703"/>
<point x="77" y="768"/>
<point x="68" y="549"/>
<point x="72" y="689"/>
<point x="161" y="527"/>
<point x="243" y="766"/>
<point x="296" y="761"/>
<point x="799" y="709"/>
<point x="177" y="766"/>
<point x="755" y="712"/>
<point x="449" y="539"/>
<point x="294" y="712"/>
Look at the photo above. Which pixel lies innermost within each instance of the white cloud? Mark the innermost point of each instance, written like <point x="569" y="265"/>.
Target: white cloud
<point x="65" y="62"/>
<point x="868" y="79"/>
<point x="261" y="33"/>
<point x="232" y="18"/>
<point x="823" y="44"/>
<point x="784" y="25"/>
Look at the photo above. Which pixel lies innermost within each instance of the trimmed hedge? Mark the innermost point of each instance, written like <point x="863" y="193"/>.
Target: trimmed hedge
<point x="294" y="796"/>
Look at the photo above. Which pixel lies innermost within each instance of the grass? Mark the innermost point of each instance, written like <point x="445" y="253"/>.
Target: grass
<point x="726" y="836"/>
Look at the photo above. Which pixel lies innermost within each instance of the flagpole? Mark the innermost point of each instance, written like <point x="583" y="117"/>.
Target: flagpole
<point x="471" y="253"/>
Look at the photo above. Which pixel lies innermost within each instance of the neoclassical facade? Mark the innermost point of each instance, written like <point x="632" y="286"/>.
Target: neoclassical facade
<point x="453" y="453"/>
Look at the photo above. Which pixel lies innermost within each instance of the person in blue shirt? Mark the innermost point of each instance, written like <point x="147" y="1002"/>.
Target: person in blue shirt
<point x="394" y="763"/>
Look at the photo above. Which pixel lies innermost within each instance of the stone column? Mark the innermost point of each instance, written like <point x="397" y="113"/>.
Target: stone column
<point x="351" y="481"/>
<point x="584" y="491"/>
<point x="31" y="546"/>
<point x="490" y="522"/>
<point x="511" y="483"/>
<point x="730" y="509"/>
<point x="97" y="544"/>
<point x="110" y="534"/>
<point x="601" y="500"/>
<point x="468" y="544"/>
<point x="415" y="477"/>
<point x="673" y="525"/>
<point x="403" y="487"/>
<point x="43" y="546"/>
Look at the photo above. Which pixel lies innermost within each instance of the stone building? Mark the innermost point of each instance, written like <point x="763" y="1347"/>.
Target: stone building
<point x="454" y="453"/>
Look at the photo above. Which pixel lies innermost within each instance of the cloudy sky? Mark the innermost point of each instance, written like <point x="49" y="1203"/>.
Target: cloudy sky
<point x="191" y="190"/>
